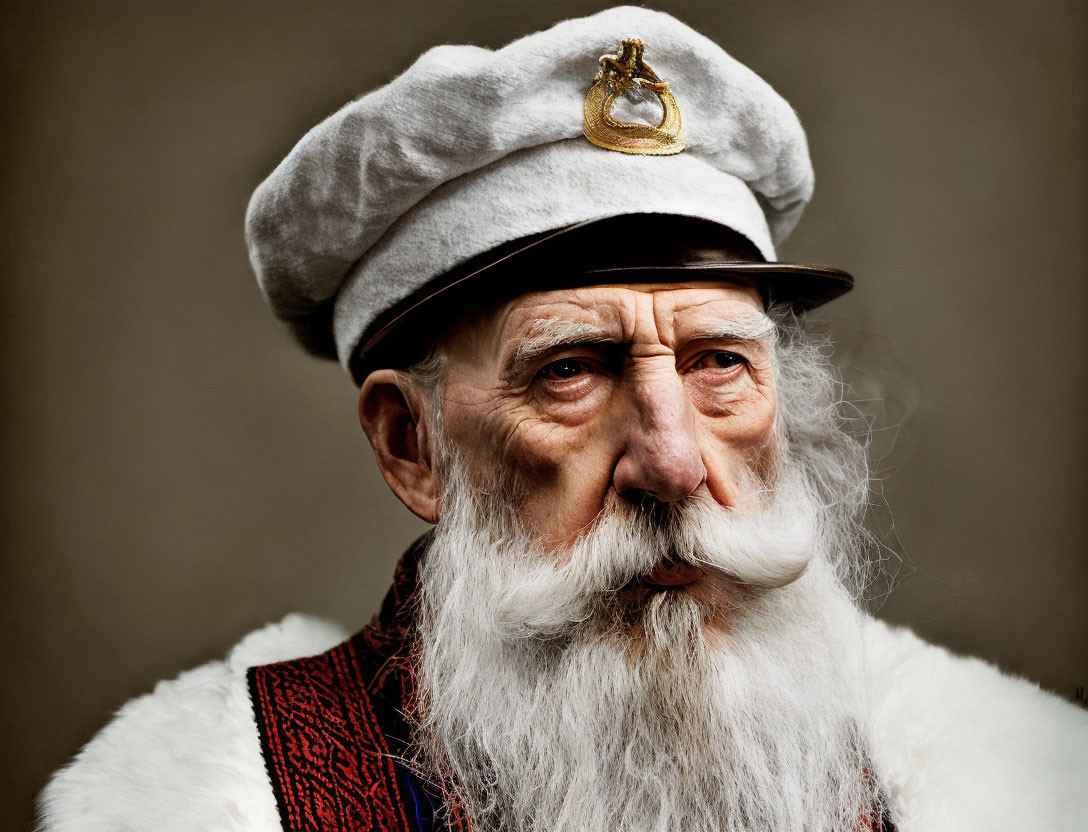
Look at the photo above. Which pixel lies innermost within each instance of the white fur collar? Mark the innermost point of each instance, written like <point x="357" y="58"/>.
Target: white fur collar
<point x="959" y="746"/>
<point x="186" y="757"/>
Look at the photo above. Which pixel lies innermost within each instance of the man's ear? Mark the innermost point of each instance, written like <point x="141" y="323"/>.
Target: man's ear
<point x="392" y="414"/>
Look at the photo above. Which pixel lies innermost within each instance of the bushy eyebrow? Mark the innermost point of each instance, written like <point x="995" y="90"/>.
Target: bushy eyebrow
<point x="752" y="327"/>
<point x="549" y="334"/>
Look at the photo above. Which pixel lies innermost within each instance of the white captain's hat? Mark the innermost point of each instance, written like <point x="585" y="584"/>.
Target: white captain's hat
<point x="473" y="157"/>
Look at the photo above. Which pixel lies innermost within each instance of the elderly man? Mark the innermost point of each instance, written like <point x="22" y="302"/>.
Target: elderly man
<point x="553" y="276"/>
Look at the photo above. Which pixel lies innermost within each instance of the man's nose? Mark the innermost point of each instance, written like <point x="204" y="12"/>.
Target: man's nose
<point x="661" y="452"/>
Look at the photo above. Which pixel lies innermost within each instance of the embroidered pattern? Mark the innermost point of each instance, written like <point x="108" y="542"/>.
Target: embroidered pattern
<point x="325" y="750"/>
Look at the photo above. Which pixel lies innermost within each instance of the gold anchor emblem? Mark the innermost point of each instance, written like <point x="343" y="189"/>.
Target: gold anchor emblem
<point x="620" y="75"/>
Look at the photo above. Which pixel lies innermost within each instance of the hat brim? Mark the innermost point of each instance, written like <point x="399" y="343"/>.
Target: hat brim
<point x="561" y="258"/>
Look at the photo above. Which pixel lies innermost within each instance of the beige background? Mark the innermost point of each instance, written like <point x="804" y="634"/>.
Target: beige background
<point x="176" y="473"/>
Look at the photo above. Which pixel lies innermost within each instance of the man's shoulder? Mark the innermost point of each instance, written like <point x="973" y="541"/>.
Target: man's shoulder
<point x="957" y="741"/>
<point x="187" y="755"/>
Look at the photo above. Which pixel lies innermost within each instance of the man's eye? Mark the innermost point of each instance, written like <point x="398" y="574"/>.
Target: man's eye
<point x="563" y="369"/>
<point x="718" y="360"/>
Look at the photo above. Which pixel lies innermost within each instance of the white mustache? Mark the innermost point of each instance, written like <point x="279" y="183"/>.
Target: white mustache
<point x="765" y="547"/>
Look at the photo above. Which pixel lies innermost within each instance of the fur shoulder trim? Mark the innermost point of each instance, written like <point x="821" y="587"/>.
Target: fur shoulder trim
<point x="294" y="637"/>
<point x="185" y="757"/>
<point x="961" y="745"/>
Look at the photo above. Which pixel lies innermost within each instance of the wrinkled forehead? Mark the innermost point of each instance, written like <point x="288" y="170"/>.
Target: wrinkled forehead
<point x="663" y="314"/>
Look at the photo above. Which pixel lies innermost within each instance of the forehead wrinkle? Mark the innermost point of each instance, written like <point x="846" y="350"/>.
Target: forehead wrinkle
<point x="531" y="320"/>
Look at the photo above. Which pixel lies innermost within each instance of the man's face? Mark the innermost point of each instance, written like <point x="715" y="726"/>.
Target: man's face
<point x="728" y="703"/>
<point x="660" y="389"/>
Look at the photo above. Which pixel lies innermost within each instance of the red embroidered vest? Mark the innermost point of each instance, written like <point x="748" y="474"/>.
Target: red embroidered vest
<point x="334" y="731"/>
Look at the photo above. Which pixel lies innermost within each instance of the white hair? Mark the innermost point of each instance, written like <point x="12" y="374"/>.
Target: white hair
<point x="827" y="446"/>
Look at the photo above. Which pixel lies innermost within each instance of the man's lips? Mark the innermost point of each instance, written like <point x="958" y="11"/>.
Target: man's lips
<point x="673" y="573"/>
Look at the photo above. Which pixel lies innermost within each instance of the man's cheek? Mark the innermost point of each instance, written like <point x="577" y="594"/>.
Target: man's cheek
<point x="747" y="428"/>
<point x="528" y="448"/>
<point x="564" y="471"/>
<point x="733" y="449"/>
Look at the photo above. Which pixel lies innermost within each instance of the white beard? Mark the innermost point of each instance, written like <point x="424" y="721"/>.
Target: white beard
<point x="559" y="695"/>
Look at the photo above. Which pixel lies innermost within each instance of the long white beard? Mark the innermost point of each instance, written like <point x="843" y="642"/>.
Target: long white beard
<point x="558" y="694"/>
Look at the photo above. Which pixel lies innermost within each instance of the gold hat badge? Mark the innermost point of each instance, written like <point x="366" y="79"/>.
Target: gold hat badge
<point x="623" y="74"/>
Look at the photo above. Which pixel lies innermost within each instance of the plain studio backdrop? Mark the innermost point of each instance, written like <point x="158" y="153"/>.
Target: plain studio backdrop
<point x="178" y="473"/>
